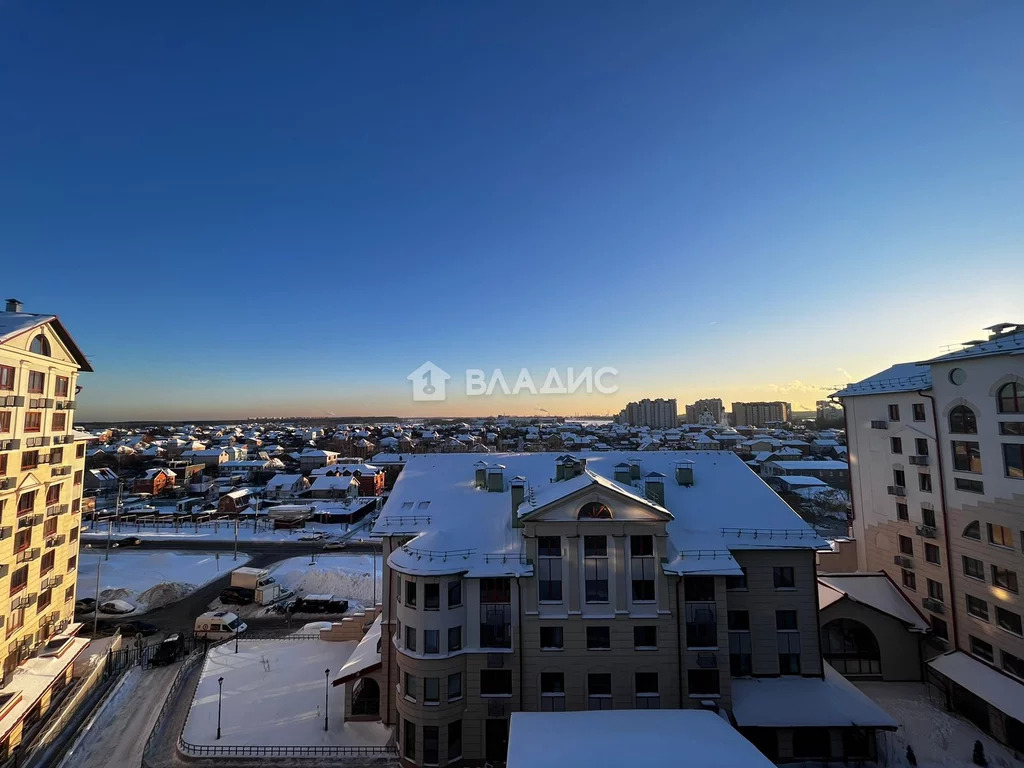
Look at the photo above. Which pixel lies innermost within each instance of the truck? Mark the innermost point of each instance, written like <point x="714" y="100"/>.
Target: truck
<point x="265" y="590"/>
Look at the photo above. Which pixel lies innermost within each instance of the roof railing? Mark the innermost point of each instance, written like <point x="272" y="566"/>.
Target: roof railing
<point x="438" y="554"/>
<point x="770" y="533"/>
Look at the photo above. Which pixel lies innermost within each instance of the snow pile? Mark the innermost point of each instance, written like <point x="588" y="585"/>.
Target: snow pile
<point x="349" y="577"/>
<point x="164" y="594"/>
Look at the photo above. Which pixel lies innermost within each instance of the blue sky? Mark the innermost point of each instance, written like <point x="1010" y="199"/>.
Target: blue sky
<point x="267" y="208"/>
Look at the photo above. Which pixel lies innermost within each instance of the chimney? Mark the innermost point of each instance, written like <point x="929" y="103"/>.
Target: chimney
<point x="518" y="486"/>
<point x="622" y="473"/>
<point x="684" y="472"/>
<point x="496" y="478"/>
<point x="567" y="467"/>
<point x="480" y="479"/>
<point x="654" y="487"/>
<point x="634" y="469"/>
<point x="13" y="305"/>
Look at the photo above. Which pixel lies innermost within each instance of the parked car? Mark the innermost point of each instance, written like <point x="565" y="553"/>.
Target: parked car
<point x="285" y="606"/>
<point x="116" y="607"/>
<point x="133" y="628"/>
<point x="85" y="605"/>
<point x="168" y="651"/>
<point x="335" y="544"/>
<point x="312" y="536"/>
<point x="237" y="596"/>
<point x="217" y="625"/>
<point x="320" y="604"/>
<point x="129" y="541"/>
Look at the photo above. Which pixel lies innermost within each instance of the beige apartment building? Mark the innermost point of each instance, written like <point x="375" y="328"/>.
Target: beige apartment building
<point x="937" y="472"/>
<point x="41" y="480"/>
<point x="539" y="582"/>
<point x="761" y="414"/>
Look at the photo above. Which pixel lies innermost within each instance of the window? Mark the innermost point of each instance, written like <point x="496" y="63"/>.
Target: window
<point x="812" y="744"/>
<point x="16" y="619"/>
<point x="925" y="482"/>
<point x="40" y="346"/>
<point x="736" y="583"/>
<point x="410" y="688"/>
<point x="19" y="579"/>
<point x="971" y="486"/>
<point x="702" y="682"/>
<point x="977" y="607"/>
<point x="789" y="651"/>
<point x="410" y="638"/>
<point x="894" y="412"/>
<point x="647" y="696"/>
<point x="784" y="577"/>
<point x="962" y="421"/>
<point x="26" y="503"/>
<point x="549" y="569"/>
<point x="784" y="620"/>
<point x="72" y="563"/>
<point x="495" y="613"/>
<point x="934" y="590"/>
<point x="1013" y="460"/>
<point x="981" y="649"/>
<point x="73" y="536"/>
<point x="966" y="456"/>
<point x="69" y="593"/>
<point x="1008" y="620"/>
<point x="454" y="740"/>
<point x="921" y="446"/>
<point x="974" y="569"/>
<point x="410" y="594"/>
<point x="52" y="495"/>
<point x="33" y="421"/>
<point x="641" y="550"/>
<point x="46" y="562"/>
<point x="60" y="386"/>
<point x="36" y="382"/>
<point x="909" y="579"/>
<point x="22" y="540"/>
<point x="431" y="597"/>
<point x="409" y="739"/>
<point x="495" y="682"/>
<point x="906" y="546"/>
<point x="928" y="517"/>
<point x="595" y="565"/>
<point x="740" y="656"/>
<point x="59" y="421"/>
<point x="896" y="444"/>
<point x="44" y="600"/>
<point x="6" y="377"/>
<point x="599" y="690"/>
<point x="931" y="554"/>
<point x="599" y="638"/>
<point x="918" y="409"/>
<point x="899" y="478"/>
<point x="431" y="641"/>
<point x="80" y="450"/>
<point x="972" y="531"/>
<point x="551" y="638"/>
<point x="1000" y="535"/>
<point x="1005" y="578"/>
<point x="645" y="638"/>
<point x="50" y="526"/>
<point x="431" y="742"/>
<point x="902" y="511"/>
<point x="1011" y="398"/>
<point x="56" y="455"/>
<point x="431" y="690"/>
<point x="851" y="648"/>
<point x="1012" y="428"/>
<point x="5" y="421"/>
<point x="454" y="639"/>
<point x="594" y="511"/>
<point x="552" y="692"/>
<point x="1011" y="664"/>
<point x="454" y="594"/>
<point x="454" y="686"/>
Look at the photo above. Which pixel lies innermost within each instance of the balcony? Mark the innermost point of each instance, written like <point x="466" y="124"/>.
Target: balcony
<point x="903" y="561"/>
<point x="897" y="490"/>
<point x="933" y="605"/>
<point x="879" y="424"/>
<point x="921" y="461"/>
<point x="927" y="532"/>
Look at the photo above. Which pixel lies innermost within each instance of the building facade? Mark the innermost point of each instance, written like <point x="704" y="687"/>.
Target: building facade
<point x="659" y="413"/>
<point x="712" y="405"/>
<point x="761" y="414"/>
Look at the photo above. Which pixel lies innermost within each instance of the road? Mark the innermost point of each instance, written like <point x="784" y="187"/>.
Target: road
<point x="118" y="733"/>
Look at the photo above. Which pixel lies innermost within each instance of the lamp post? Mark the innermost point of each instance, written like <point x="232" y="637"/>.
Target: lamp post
<point x="327" y="692"/>
<point x="220" y="695"/>
<point x="236" y="641"/>
<point x="96" y="603"/>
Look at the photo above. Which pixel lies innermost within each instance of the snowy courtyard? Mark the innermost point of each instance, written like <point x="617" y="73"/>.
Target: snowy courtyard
<point x="274" y="694"/>
<point x="261" y="530"/>
<point x="149" y="580"/>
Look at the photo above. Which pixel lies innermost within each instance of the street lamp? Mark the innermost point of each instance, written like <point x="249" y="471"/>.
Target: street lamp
<point x="220" y="695"/>
<point x="236" y="641"/>
<point x="327" y="691"/>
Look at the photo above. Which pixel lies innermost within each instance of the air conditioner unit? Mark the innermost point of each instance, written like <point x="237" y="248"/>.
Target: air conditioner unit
<point x="897" y="490"/>
<point x="921" y="461"/>
<point x="927" y="531"/>
<point x="903" y="561"/>
<point x="933" y="605"/>
<point x="48" y="402"/>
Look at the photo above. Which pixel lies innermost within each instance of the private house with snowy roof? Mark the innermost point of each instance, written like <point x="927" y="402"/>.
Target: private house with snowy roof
<point x="154" y="481"/>
<point x="285" y="486"/>
<point x="545" y="583"/>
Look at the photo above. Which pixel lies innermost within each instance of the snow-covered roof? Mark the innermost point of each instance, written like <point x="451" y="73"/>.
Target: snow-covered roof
<point x="1001" y="691"/>
<point x="795" y="702"/>
<point x="816" y="465"/>
<point x="31" y="679"/>
<point x="619" y="737"/>
<point x="902" y="377"/>
<point x="873" y="589"/>
<point x="1007" y="344"/>
<point x="801" y="480"/>
<point x="282" y="481"/>
<point x="366" y="655"/>
<point x="461" y="528"/>
<point x="333" y="482"/>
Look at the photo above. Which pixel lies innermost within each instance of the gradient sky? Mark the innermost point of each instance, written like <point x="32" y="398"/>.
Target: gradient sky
<point x="260" y="208"/>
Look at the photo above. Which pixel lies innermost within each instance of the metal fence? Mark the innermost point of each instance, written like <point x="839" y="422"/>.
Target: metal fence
<point x="249" y="750"/>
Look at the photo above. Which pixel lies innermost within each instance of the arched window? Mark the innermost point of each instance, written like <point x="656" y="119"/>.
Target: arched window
<point x="40" y="345"/>
<point x="973" y="531"/>
<point x="366" y="698"/>
<point x="595" y="510"/>
<point x="851" y="648"/>
<point x="1010" y="398"/>
<point x="962" y="421"/>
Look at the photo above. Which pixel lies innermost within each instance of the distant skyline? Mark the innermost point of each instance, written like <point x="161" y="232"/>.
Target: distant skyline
<point x="243" y="209"/>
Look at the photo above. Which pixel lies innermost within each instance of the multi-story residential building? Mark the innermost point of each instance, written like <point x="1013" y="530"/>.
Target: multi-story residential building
<point x="536" y="582"/>
<point x="827" y="413"/>
<point x="41" y="478"/>
<point x="832" y="471"/>
<point x="659" y="413"/>
<point x="761" y="414"/>
<point x="712" y="405"/>
<point x="937" y="463"/>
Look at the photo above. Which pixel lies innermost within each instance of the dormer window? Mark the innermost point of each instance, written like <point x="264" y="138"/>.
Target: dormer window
<point x="595" y="510"/>
<point x="40" y="346"/>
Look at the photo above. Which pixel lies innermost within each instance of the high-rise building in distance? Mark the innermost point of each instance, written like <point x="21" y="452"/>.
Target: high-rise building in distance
<point x="659" y="413"/>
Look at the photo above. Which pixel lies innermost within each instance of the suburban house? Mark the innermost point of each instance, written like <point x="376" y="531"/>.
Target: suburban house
<point x="310" y="460"/>
<point x="233" y="502"/>
<point x="103" y="480"/>
<point x="282" y="486"/>
<point x="154" y="481"/>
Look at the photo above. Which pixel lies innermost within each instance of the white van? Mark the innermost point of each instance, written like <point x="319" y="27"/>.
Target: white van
<point x="217" y="625"/>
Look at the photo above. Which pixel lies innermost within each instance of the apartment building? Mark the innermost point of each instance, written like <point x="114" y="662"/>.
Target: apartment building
<point x="761" y="414"/>
<point x="541" y="582"/>
<point x="41" y="480"/>
<point x="937" y="466"/>
<point x="659" y="413"/>
<point x="711" y="405"/>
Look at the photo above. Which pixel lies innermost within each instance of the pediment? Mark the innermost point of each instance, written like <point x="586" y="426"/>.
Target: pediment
<point x="621" y="505"/>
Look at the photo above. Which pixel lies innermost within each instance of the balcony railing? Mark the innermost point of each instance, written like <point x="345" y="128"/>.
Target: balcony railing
<point x="897" y="490"/>
<point x="921" y="461"/>
<point x="927" y="531"/>
<point x="933" y="605"/>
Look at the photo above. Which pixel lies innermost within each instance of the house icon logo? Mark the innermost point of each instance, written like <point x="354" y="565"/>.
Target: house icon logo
<point x="428" y="382"/>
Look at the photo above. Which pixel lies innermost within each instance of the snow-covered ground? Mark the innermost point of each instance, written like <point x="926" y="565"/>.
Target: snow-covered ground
<point x="221" y="530"/>
<point x="151" y="579"/>
<point x="346" y="576"/>
<point x="939" y="738"/>
<point x="274" y="694"/>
